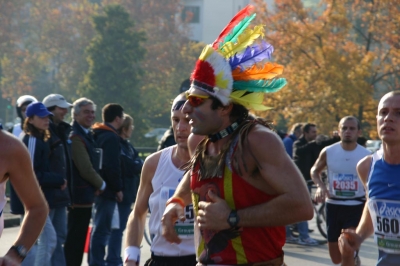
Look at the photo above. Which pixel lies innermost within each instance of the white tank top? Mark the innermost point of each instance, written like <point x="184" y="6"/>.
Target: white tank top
<point x="165" y="181"/>
<point x="344" y="183"/>
<point x="3" y="202"/>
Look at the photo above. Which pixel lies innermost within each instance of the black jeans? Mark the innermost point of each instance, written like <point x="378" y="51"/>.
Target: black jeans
<point x="78" y="223"/>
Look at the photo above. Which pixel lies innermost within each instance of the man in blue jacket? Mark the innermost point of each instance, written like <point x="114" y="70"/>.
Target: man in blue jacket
<point x="288" y="141"/>
<point x="107" y="137"/>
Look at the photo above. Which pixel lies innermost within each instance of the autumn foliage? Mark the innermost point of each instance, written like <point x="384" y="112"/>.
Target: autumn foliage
<point x="340" y="57"/>
<point x="43" y="50"/>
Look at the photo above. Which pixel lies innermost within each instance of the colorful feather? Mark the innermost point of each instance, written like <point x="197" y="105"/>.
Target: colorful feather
<point x="268" y="71"/>
<point x="239" y="28"/>
<point x="235" y="21"/>
<point x="261" y="85"/>
<point x="251" y="55"/>
<point x="245" y="39"/>
<point x="249" y="100"/>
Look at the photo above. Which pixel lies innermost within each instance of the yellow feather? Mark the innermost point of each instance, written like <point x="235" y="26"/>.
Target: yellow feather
<point x="245" y="39"/>
<point x="207" y="51"/>
<point x="250" y="101"/>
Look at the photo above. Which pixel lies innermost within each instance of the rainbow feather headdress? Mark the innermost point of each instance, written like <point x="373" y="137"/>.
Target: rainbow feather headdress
<point x="235" y="67"/>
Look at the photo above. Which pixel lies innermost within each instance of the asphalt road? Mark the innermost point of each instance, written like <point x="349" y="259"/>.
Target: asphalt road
<point x="295" y="255"/>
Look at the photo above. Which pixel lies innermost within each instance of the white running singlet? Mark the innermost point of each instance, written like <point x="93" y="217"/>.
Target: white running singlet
<point x="344" y="183"/>
<point x="165" y="181"/>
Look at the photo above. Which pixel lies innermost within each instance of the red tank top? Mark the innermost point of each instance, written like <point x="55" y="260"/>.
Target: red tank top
<point x="232" y="247"/>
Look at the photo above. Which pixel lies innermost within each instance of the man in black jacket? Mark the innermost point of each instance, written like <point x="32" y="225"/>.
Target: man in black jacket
<point x="305" y="152"/>
<point x="107" y="137"/>
<point x="60" y="162"/>
<point x="86" y="180"/>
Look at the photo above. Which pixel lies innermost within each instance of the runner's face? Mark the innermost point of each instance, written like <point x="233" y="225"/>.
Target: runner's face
<point x="202" y="118"/>
<point x="348" y="131"/>
<point x="388" y="119"/>
<point x="181" y="127"/>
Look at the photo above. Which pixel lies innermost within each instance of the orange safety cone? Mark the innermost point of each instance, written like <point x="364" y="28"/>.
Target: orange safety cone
<point x="87" y="243"/>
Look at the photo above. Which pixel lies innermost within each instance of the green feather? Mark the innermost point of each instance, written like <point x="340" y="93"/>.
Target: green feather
<point x="237" y="30"/>
<point x="260" y="85"/>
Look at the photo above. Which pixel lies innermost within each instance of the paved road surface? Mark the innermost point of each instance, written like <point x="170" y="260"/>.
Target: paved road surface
<point x="295" y="255"/>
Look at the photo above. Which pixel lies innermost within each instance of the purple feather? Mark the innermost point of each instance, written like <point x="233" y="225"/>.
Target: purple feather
<point x="251" y="55"/>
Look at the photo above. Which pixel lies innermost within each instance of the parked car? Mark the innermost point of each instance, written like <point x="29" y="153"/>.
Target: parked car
<point x="156" y="132"/>
<point x="373" y="145"/>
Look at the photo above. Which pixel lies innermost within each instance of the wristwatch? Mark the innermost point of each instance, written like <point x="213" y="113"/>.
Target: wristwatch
<point x="233" y="219"/>
<point x="21" y="251"/>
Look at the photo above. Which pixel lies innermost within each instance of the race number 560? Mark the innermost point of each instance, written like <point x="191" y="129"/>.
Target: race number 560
<point x="387" y="225"/>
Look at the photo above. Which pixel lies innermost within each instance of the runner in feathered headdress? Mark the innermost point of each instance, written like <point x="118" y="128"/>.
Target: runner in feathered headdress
<point x="244" y="187"/>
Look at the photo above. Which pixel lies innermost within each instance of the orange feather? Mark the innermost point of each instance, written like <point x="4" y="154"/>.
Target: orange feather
<point x="268" y="71"/>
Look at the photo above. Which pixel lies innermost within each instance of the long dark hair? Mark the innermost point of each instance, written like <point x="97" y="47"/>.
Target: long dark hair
<point x="30" y="129"/>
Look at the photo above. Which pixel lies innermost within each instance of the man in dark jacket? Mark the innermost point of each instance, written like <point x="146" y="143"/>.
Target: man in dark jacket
<point x="305" y="152"/>
<point x="107" y="137"/>
<point x="306" y="149"/>
<point x="60" y="162"/>
<point x="304" y="157"/>
<point x="85" y="182"/>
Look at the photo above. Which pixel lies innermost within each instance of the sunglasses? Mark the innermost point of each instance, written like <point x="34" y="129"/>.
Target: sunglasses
<point x="195" y="99"/>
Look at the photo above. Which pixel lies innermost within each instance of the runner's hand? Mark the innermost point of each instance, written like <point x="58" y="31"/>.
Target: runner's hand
<point x="348" y="243"/>
<point x="213" y="215"/>
<point x="172" y="213"/>
<point x="7" y="260"/>
<point x="321" y="194"/>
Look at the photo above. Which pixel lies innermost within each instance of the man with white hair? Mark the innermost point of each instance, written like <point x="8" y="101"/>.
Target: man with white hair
<point x="86" y="181"/>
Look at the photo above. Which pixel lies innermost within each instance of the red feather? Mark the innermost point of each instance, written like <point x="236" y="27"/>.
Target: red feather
<point x="235" y="20"/>
<point x="204" y="73"/>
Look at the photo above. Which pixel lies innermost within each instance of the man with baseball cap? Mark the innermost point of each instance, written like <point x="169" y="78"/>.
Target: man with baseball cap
<point x="60" y="162"/>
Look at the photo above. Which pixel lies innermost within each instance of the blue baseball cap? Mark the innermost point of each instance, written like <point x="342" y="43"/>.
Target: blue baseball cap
<point x="38" y="109"/>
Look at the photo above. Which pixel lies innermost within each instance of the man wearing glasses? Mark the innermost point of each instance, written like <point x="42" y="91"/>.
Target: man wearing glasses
<point x="243" y="185"/>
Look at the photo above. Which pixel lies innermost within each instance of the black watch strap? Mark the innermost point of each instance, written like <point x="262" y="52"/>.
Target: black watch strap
<point x="233" y="219"/>
<point x="20" y="250"/>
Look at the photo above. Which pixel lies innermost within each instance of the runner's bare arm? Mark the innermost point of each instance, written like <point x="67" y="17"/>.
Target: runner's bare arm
<point x="292" y="202"/>
<point x="350" y="240"/>
<point x="18" y="167"/>
<point x="137" y="218"/>
<point x="316" y="171"/>
<point x="365" y="227"/>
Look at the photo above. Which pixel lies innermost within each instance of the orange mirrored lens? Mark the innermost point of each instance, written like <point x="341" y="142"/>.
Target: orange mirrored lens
<point x="195" y="101"/>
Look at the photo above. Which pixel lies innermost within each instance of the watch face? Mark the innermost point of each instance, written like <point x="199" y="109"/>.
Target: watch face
<point x="22" y="250"/>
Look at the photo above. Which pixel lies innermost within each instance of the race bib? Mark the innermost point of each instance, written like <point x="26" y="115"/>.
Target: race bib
<point x="344" y="185"/>
<point x="385" y="215"/>
<point x="184" y="229"/>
